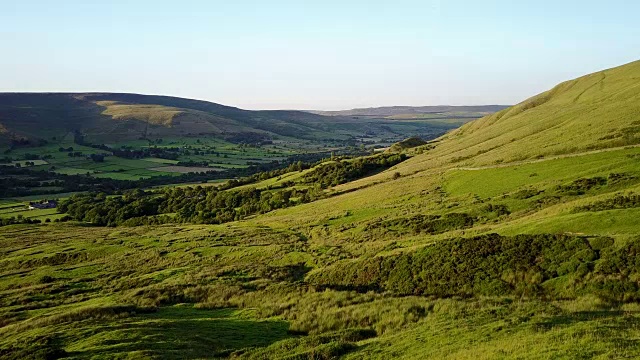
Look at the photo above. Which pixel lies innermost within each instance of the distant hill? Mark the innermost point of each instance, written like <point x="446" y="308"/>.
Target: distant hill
<point x="104" y="117"/>
<point x="396" y="111"/>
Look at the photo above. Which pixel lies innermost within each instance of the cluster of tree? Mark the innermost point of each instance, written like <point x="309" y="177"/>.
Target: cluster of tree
<point x="202" y="205"/>
<point x="26" y="163"/>
<point x="29" y="156"/>
<point x="97" y="157"/>
<point x="17" y="142"/>
<point x="620" y="201"/>
<point x="23" y="181"/>
<point x="100" y="209"/>
<point x="214" y="205"/>
<point x="343" y="171"/>
<point x="551" y="266"/>
<point x="22" y="220"/>
<point x="193" y="163"/>
<point x="581" y="185"/>
<point x="18" y="220"/>
<point x="170" y="153"/>
<point x="249" y="138"/>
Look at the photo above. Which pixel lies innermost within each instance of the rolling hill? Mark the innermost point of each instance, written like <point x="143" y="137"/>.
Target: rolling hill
<point x="105" y="117"/>
<point x="515" y="236"/>
<point x="102" y="117"/>
<point x="441" y="112"/>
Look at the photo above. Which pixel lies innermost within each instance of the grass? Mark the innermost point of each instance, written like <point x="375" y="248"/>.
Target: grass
<point x="592" y="112"/>
<point x="525" y="331"/>
<point x="225" y="155"/>
<point x="161" y="161"/>
<point x="494" y="181"/>
<point x="244" y="289"/>
<point x="180" y="332"/>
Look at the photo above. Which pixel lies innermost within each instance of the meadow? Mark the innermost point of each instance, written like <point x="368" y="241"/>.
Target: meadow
<point x="258" y="288"/>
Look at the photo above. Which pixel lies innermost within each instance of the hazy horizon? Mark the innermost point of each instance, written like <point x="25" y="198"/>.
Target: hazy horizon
<point x="323" y="56"/>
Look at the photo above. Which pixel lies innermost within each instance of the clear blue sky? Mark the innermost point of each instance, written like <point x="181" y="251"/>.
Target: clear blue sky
<point x="314" y="54"/>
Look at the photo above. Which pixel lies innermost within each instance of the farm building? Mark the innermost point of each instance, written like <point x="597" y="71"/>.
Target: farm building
<point x="46" y="204"/>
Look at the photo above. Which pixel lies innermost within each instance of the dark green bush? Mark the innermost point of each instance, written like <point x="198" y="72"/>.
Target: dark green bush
<point x="340" y="172"/>
<point x="523" y="265"/>
<point x="581" y="185"/>
<point x="619" y="201"/>
<point x="430" y="224"/>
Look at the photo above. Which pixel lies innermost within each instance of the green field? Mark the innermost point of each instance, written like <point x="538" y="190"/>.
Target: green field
<point x="221" y="155"/>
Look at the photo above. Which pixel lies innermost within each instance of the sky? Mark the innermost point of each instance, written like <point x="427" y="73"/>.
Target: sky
<point x="324" y="55"/>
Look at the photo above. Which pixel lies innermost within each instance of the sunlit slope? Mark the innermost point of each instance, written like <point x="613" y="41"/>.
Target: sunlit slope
<point x="596" y="111"/>
<point x="592" y="117"/>
<point x="160" y="120"/>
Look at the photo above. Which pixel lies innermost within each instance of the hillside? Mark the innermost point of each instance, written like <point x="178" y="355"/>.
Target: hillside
<point x="596" y="111"/>
<point x="515" y="236"/>
<point x="106" y="117"/>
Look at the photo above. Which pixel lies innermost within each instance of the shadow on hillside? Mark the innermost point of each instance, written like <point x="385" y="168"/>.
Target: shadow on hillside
<point x="610" y="324"/>
<point x="183" y="333"/>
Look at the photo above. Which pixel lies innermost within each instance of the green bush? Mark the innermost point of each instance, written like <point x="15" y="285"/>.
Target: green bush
<point x="494" y="265"/>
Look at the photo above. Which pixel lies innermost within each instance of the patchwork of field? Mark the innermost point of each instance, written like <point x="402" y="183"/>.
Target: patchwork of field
<point x="220" y="155"/>
<point x="19" y="207"/>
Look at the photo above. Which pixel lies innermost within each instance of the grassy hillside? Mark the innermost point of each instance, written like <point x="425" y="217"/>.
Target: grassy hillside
<point x="515" y="236"/>
<point x="596" y="111"/>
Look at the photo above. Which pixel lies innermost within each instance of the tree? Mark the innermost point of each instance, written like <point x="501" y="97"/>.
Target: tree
<point x="97" y="157"/>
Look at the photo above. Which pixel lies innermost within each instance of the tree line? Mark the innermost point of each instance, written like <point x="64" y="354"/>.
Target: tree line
<point x="214" y="204"/>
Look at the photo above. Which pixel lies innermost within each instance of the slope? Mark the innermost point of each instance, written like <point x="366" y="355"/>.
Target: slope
<point x="34" y="118"/>
<point x="596" y="111"/>
<point x="104" y="117"/>
<point x="459" y="255"/>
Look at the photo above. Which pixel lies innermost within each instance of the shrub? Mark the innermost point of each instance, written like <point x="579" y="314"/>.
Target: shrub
<point x="523" y="265"/>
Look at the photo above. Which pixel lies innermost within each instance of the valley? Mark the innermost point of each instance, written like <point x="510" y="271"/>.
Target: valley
<point x="511" y="236"/>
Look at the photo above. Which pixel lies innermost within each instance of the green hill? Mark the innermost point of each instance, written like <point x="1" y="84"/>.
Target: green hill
<point x="596" y="111"/>
<point x="515" y="236"/>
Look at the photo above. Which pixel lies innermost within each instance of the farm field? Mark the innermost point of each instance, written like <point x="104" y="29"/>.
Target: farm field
<point x="224" y="156"/>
